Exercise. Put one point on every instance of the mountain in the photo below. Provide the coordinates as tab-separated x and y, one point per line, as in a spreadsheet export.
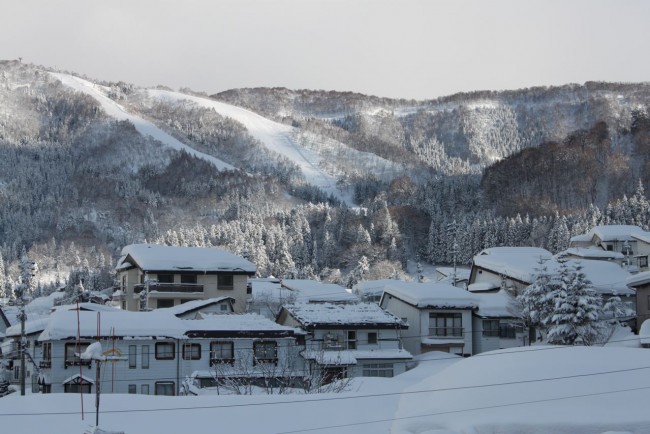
305	182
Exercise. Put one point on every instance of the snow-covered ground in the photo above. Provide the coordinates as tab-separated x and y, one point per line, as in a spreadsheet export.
144	127
529	390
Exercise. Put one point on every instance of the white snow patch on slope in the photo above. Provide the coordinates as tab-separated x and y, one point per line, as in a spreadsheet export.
275	136
144	127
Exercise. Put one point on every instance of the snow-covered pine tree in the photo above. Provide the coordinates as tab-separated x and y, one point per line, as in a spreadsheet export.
536	301
575	321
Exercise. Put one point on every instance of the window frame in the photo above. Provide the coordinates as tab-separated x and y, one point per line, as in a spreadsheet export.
444	325
133	356
165	278
192	354
220	360
374	339
189	279
158	384
229	285
160	356
351	339
133	389
263	347
376	369
491	328
70	349
144	357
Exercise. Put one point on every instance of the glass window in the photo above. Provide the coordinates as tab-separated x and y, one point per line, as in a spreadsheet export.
225	281
507	331
265	352
372	337
165	278
165	350
491	327
445	324
165	302
133	389
144	357
352	340
77	385
189	279
71	349
191	351
165	388
378	370
144	389
47	351
221	352
133	357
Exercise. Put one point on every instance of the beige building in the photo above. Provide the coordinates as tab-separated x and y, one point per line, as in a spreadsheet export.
153	276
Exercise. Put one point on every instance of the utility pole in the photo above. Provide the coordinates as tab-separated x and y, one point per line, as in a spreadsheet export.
451	232
23	345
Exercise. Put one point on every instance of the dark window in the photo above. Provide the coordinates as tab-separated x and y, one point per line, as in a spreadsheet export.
372	337
144	357
507	331
445	324
133	357
221	352
378	370
165	302
167	388
643	261
133	389
225	281
47	351
71	349
165	350
165	278
77	385
188	278
491	327
265	352
352	339
191	351
144	389
124	283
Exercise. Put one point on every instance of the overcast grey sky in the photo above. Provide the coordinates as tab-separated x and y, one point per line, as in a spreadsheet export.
396	48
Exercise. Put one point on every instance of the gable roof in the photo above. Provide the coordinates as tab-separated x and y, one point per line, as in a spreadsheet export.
356	315
426	295
612	233
518	263
155	257
312	291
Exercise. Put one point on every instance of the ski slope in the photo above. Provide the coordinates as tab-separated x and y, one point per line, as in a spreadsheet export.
275	136
143	126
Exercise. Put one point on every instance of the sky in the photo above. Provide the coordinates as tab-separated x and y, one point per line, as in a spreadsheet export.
416	49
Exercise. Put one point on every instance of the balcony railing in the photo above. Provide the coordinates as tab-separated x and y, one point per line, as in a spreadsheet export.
170	287
77	362
446	332
45	364
219	362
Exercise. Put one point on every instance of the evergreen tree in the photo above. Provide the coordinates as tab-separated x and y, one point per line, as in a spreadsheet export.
536	302
575	320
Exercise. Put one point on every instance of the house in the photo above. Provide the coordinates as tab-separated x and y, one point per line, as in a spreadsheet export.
631	241
348	339
10	349
447	274
266	296
311	291
439	316
370	290
515	268
153	276
641	284
495	323
158	350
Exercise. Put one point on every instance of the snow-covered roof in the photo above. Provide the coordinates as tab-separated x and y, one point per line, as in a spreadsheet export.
516	262
351	357
612	233
431	295
94	307
606	277
638	279
155	257
593	252
461	273
370	287
31	327
497	305
347	314
159	323
483	286
313	291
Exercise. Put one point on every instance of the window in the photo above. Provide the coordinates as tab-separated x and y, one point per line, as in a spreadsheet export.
491	327
189	279
372	337
445	324
649	302
133	357
265	352
224	308
507	331
221	352
144	389
352	339
225	281
47	355
191	351
167	388
77	385
75	348
124	283
133	389
144	357
165	278
378	370
643	261
165	302
165	350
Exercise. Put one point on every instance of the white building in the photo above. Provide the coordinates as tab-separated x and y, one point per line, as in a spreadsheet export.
349	339
632	242
153	276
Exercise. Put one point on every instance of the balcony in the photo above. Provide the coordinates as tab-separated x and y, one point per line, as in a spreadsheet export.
77	362
45	364
170	287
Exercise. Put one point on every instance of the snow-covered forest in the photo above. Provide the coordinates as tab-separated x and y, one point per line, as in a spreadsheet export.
77	184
